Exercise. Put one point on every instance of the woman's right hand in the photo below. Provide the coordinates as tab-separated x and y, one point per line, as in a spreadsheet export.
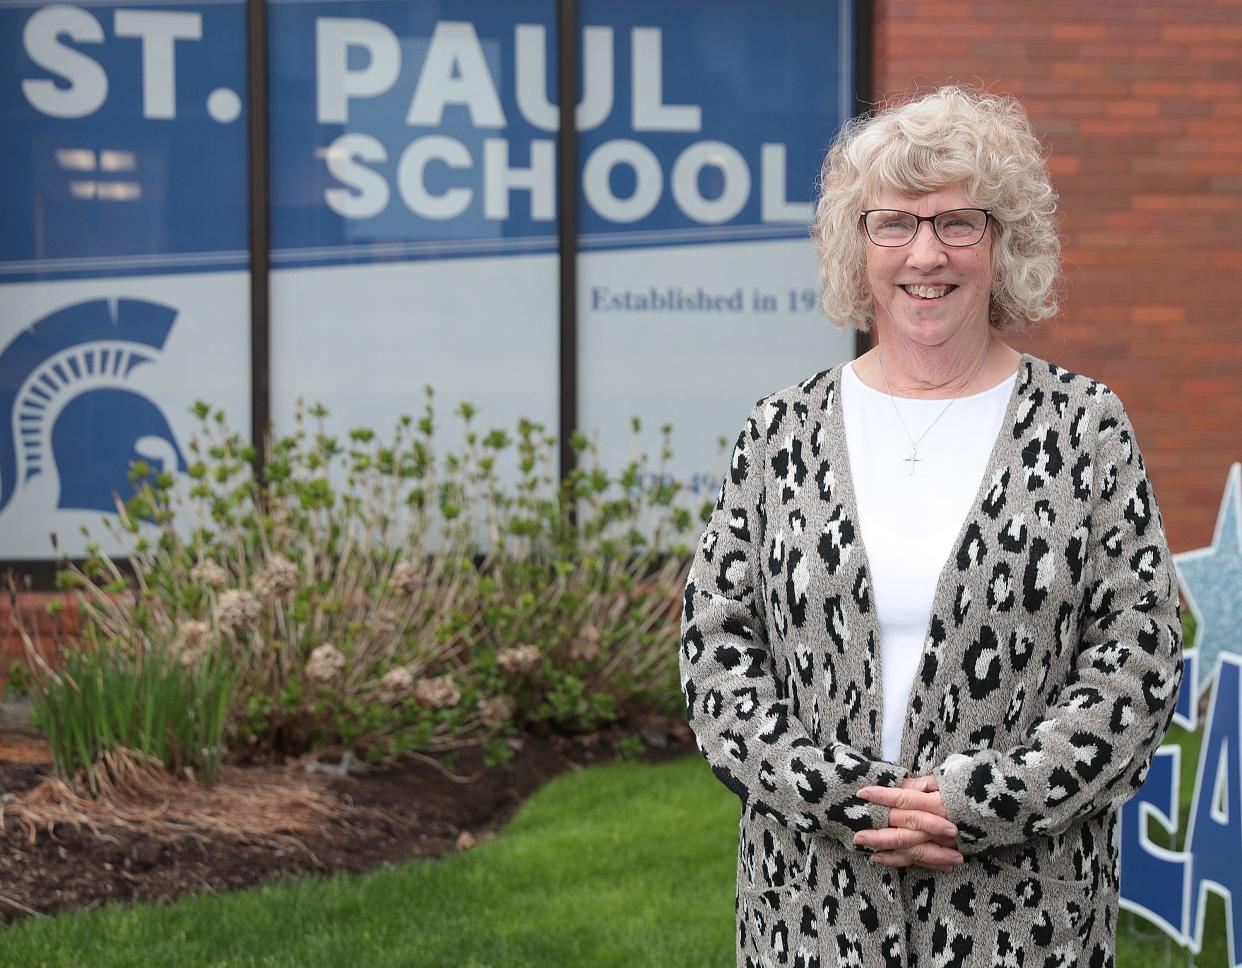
920	835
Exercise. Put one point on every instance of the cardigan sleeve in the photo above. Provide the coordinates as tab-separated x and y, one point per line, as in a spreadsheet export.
1093	746
743	725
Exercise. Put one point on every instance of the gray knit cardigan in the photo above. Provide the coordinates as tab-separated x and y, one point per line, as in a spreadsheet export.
1049	675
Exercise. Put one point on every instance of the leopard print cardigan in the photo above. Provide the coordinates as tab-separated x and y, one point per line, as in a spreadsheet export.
1049	675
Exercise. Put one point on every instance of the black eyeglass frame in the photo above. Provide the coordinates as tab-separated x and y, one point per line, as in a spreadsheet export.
919	220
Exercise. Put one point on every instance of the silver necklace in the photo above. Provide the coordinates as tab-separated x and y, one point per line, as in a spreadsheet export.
913	459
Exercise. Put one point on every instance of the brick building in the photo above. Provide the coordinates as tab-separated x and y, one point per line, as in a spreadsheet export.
1140	104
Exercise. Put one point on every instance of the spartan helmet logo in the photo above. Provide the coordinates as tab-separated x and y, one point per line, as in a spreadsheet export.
67	410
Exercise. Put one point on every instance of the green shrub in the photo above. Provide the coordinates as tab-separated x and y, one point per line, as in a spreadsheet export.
579	594
17	683
366	595
346	628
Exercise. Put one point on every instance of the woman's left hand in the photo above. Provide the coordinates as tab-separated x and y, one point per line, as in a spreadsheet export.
919	832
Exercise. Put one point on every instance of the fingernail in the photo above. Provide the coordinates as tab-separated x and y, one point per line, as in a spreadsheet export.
958	858
950	830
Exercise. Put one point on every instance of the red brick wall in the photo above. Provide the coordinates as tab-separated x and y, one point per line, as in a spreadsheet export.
42	627
1140	104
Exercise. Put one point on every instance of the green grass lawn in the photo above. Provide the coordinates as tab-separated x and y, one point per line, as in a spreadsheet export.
622	865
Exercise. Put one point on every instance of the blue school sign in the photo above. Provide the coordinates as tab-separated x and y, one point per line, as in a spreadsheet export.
1170	887
399	132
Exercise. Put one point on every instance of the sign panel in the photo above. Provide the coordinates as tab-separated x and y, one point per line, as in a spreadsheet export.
698	289
123	282
1168	887
413	211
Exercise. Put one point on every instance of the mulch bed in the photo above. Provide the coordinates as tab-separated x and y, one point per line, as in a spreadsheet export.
388	816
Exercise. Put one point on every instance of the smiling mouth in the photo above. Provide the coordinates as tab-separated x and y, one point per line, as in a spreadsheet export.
927	293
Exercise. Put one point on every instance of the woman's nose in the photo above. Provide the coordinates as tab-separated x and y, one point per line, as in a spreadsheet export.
926	249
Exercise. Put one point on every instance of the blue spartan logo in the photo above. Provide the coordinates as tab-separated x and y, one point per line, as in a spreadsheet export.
64	401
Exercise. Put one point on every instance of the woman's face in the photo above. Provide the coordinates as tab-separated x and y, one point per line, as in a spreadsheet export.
966	271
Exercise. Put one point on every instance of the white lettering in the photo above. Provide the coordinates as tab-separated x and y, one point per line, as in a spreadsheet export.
455	50
649	180
335	82
159	31
88	84
647	78
686	182
499	179
413	187
370	191
532	78
773	204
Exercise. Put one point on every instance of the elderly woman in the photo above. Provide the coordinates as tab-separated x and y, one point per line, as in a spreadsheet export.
930	732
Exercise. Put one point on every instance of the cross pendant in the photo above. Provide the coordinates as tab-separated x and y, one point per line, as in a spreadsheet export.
912	459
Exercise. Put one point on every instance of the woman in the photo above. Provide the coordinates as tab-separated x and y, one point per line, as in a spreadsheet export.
930	734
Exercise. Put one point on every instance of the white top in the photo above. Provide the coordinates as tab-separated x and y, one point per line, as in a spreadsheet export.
908	522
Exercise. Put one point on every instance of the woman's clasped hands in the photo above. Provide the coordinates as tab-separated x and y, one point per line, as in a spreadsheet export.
919	830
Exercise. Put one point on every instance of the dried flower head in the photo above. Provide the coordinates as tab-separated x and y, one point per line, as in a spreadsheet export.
437	693
237	611
386	621
326	663
405	578
520	661
278	579
497	710
192	639
207	572
586	646
396	685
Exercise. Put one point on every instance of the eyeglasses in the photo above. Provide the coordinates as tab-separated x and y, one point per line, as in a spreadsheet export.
959	227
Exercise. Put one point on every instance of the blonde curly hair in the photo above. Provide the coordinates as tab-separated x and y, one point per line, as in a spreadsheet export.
951	136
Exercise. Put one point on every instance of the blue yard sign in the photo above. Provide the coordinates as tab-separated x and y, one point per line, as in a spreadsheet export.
1170	887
